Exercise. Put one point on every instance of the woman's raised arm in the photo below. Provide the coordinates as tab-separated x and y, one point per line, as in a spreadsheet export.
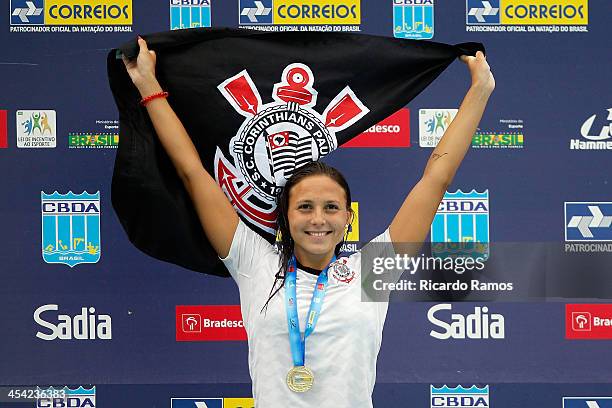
412	221
216	214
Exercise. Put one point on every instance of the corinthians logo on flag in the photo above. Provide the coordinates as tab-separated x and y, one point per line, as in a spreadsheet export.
277	138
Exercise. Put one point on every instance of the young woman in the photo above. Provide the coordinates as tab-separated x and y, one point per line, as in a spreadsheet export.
283	292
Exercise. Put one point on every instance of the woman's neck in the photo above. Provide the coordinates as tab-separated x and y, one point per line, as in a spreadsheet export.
318	262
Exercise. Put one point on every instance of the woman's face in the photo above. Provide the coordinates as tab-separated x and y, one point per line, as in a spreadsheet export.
317	218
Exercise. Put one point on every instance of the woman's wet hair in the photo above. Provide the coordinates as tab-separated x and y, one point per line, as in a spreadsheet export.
285	243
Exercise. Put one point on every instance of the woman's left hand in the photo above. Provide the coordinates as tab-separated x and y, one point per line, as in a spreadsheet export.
480	71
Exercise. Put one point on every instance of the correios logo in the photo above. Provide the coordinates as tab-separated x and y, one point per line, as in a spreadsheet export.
84	326
478	325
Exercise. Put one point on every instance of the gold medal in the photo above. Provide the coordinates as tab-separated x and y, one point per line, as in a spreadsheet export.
300	379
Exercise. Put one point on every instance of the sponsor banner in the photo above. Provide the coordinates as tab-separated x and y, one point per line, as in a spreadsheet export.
71	16
306	15
86	325
549	16
393	131
481	324
497	140
3	130
413	19
92	140
461	225
588	321
70	228
588	221
209	323
66	397
587	402
508	134
596	133
36	128
432	125
459	397
212	403
189	14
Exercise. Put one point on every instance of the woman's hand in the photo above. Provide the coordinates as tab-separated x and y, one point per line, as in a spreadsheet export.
482	78
142	70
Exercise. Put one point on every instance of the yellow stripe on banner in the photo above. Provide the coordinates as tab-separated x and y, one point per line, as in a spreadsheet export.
238	403
540	12
317	12
353	236
88	12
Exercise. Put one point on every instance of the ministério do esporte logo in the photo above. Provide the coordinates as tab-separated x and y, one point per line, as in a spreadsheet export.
93	16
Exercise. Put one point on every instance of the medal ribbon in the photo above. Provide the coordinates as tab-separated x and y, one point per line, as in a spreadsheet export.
298	345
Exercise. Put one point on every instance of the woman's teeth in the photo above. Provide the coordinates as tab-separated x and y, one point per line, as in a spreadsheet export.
317	234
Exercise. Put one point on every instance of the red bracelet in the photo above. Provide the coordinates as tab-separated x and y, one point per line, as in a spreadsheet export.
161	94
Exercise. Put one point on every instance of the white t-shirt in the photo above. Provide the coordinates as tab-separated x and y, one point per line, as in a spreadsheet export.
341	351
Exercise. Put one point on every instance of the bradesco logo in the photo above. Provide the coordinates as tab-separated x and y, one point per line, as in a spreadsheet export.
527	12
302	13
71	12
393	131
588	321
209	323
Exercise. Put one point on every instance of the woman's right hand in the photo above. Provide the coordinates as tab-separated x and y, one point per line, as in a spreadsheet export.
142	69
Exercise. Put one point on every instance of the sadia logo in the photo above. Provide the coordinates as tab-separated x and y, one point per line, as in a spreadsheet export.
459	397
432	125
72	12
477	325
277	138
527	12
84	326
588	221
66	397
209	323
587	402
594	140
461	225
189	14
306	12
413	19
70	228
36	128
588	321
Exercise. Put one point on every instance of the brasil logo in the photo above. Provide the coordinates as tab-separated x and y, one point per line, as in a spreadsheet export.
70	228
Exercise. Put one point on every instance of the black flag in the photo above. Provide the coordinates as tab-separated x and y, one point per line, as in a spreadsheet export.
256	106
